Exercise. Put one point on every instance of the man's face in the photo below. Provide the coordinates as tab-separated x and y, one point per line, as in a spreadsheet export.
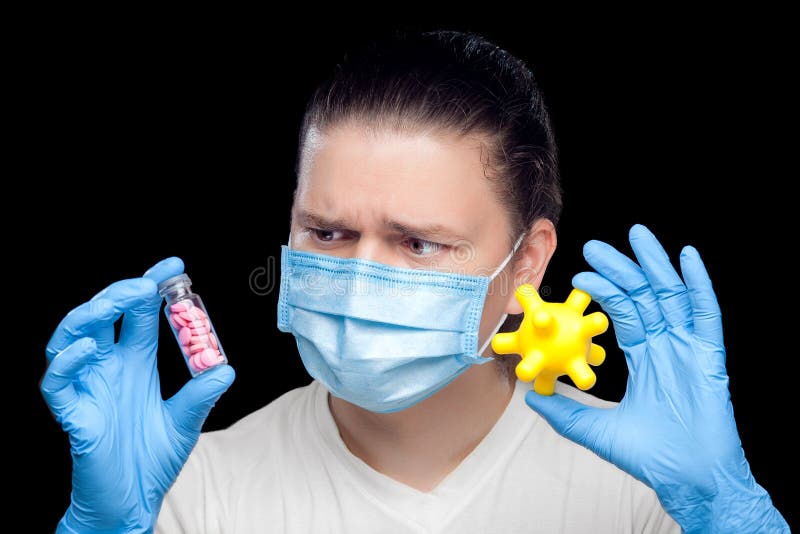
408	200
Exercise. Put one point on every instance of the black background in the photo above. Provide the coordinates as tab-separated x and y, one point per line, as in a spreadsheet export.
141	138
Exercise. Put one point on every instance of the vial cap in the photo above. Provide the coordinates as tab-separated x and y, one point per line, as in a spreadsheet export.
179	280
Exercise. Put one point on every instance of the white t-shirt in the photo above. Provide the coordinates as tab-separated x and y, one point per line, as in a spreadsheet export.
284	468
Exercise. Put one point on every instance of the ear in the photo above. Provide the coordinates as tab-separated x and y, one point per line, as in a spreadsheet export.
532	258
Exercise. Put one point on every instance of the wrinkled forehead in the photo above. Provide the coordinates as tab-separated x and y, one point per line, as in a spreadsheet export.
369	176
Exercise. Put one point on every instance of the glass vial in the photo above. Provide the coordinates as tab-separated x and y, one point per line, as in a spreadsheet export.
191	325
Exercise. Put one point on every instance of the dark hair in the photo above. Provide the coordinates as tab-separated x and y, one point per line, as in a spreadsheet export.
459	83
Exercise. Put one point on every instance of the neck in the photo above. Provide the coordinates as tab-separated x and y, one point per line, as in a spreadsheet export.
421	445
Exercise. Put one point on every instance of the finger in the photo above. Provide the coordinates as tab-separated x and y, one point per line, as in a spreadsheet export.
571	419
140	325
620	307
190	406
57	385
79	322
97	316
166	268
623	272
673	298
139	330
705	308
125	295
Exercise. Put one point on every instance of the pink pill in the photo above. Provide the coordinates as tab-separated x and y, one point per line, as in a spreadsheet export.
201	363
178	307
198	323
197	347
199	339
174	323
208	357
185	349
199	331
178	319
196	362
186	316
200	314
212	339
184	335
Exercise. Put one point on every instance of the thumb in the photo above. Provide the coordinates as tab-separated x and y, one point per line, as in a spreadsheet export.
571	419
190	406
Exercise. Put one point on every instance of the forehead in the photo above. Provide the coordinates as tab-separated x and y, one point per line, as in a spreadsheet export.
371	175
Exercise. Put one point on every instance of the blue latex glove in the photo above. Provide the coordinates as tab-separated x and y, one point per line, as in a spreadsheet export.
674	429
128	445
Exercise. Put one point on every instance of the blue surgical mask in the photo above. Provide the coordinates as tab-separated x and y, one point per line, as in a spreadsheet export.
382	337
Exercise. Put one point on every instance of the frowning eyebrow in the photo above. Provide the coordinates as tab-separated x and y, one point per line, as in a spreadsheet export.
431	232
314	220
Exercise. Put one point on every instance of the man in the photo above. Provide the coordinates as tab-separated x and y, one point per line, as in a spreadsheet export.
427	190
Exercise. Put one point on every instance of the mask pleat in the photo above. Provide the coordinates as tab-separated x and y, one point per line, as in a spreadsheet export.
356	339
407	306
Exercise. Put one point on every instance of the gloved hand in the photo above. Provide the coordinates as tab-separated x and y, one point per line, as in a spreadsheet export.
128	445
674	429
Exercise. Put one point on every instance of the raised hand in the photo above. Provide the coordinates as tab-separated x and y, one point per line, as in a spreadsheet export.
674	429
128	444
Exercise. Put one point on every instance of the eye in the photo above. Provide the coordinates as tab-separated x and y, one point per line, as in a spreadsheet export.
326	236
420	247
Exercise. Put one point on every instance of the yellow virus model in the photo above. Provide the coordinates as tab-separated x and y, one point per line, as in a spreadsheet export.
554	339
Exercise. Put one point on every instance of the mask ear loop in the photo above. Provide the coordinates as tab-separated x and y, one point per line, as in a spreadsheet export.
505	315
489	339
508	258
